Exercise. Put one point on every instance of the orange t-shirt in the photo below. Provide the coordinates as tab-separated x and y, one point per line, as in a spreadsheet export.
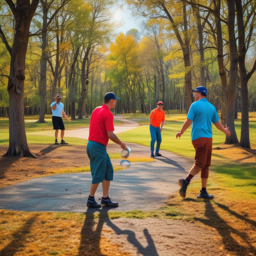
157	117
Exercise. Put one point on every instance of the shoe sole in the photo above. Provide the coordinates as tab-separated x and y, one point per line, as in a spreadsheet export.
181	191
96	206
108	205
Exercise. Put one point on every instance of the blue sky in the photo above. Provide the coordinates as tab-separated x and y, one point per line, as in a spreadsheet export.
124	16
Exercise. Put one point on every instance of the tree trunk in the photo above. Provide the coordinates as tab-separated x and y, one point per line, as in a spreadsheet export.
222	69
233	74
43	65
23	12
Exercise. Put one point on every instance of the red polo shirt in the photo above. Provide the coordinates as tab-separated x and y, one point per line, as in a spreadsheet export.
102	121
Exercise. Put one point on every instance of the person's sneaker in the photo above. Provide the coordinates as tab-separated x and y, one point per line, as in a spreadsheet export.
108	202
183	188
204	194
63	142
93	204
152	155
56	143
158	154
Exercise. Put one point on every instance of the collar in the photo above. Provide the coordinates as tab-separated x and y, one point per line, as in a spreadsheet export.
106	107
203	99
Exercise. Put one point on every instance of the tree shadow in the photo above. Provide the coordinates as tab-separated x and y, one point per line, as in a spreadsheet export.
19	238
5	163
89	233
225	230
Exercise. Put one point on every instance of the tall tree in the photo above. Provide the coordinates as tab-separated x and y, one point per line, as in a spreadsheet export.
23	12
245	15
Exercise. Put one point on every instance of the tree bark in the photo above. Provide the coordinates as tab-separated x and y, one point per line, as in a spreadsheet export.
233	74
23	12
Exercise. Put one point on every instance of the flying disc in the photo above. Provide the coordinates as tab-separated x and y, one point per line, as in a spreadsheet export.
125	163
125	153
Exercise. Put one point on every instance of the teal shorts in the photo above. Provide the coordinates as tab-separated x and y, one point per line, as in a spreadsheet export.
101	166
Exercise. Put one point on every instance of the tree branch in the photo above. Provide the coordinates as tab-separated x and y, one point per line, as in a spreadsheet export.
2	36
12	7
248	76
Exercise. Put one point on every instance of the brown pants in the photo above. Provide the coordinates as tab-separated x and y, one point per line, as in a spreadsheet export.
203	147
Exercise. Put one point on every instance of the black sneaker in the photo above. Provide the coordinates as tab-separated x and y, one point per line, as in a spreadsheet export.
63	142
152	155
56	143
108	202
204	194
93	204
158	154
183	188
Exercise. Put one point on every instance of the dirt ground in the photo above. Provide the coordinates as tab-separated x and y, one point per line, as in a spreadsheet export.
217	229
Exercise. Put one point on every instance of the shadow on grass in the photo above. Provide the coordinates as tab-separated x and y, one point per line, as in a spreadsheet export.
19	238
227	232
90	236
245	171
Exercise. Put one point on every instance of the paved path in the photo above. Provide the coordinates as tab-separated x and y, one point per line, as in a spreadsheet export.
144	186
84	132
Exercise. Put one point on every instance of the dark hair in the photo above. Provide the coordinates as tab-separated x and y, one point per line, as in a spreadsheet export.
203	94
107	101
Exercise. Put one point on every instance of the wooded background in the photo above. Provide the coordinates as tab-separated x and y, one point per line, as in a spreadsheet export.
72	49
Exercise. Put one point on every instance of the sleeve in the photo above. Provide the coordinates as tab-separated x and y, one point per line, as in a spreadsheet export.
152	115
191	112
52	104
215	117
109	123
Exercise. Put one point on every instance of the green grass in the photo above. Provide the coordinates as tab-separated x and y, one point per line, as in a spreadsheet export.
240	178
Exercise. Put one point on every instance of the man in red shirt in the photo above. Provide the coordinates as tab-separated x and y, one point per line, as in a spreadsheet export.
101	130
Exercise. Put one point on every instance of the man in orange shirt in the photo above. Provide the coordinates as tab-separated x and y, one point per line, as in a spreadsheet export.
156	118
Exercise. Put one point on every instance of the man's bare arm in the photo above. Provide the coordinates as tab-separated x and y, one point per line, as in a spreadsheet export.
115	139
63	113
54	106
185	126
150	121
162	125
222	128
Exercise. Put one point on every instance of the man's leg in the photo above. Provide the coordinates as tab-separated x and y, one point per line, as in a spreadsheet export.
62	134
185	182
153	139
56	134
159	140
93	189
105	188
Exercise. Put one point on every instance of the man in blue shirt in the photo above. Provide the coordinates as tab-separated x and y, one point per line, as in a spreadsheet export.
57	112
201	114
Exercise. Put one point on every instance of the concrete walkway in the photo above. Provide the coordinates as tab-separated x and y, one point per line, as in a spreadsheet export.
84	132
144	186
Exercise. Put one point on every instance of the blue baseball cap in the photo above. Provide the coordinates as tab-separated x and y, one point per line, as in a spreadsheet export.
201	89
110	96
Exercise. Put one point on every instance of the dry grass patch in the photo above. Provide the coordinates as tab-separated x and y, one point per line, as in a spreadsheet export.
24	233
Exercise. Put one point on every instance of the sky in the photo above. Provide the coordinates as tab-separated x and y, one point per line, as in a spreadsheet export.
124	17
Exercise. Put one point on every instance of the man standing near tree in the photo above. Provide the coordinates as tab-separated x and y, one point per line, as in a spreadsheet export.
202	114
57	112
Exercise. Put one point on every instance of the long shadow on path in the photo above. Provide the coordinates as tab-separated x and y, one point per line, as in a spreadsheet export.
226	231
89	233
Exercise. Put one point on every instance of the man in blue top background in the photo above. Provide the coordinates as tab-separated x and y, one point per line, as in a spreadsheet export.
201	114
57	112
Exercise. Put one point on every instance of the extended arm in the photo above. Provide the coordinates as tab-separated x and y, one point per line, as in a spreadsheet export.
63	113
222	128
54	106
185	126
115	139
162	125
150	121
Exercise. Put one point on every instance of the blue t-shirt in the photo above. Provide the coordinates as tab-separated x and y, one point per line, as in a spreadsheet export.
203	114
58	110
